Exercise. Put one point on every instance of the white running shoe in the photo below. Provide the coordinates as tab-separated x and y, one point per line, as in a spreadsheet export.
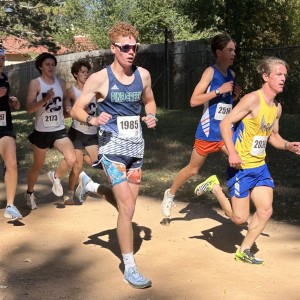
81	192
167	204
30	200
57	188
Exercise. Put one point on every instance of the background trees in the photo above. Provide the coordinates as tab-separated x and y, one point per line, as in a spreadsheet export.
31	19
252	23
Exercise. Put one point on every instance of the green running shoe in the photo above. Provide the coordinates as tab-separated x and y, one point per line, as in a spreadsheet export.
248	257
206	186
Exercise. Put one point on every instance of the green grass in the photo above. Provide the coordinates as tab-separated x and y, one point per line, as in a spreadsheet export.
168	149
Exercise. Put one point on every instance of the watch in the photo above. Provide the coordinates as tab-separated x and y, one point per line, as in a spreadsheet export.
218	93
88	119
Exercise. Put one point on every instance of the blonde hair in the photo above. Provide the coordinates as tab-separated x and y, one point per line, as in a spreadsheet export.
122	29
266	65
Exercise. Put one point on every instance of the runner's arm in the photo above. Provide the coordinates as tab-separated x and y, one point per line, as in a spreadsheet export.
241	110
91	88
277	141
148	99
200	94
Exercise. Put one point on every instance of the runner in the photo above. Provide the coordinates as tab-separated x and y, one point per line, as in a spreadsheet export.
84	137
7	142
216	91
45	97
248	175
121	89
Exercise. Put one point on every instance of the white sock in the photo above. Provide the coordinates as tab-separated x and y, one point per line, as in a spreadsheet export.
128	260
92	187
170	195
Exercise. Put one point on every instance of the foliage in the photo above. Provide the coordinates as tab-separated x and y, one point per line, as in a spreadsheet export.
32	20
253	23
151	17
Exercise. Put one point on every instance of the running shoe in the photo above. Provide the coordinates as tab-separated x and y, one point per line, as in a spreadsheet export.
81	192
206	186
11	212
167	203
248	257
57	189
136	279
69	199
30	201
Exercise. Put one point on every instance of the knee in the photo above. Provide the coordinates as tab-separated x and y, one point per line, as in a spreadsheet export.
11	164
70	160
265	213
191	171
127	211
77	168
240	220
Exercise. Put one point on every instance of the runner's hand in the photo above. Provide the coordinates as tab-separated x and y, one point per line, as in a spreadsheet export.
102	119
150	120
234	160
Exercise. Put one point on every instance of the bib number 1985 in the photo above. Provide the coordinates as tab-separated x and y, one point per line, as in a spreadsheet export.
129	126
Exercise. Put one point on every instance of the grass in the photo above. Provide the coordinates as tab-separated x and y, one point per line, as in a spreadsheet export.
168	149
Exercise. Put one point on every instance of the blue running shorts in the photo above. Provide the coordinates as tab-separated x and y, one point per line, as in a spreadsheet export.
241	181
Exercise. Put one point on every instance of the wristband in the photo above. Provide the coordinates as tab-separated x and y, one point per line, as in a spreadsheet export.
286	145
88	119
153	116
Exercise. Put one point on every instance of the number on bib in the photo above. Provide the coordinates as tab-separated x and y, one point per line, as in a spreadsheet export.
129	126
2	118
259	145
222	110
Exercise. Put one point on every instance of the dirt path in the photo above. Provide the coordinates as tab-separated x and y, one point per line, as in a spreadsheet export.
60	252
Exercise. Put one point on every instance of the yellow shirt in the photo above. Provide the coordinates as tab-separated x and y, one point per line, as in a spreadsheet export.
251	135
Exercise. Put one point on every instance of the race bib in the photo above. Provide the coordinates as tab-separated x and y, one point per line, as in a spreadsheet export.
259	145
129	126
2	118
51	119
222	110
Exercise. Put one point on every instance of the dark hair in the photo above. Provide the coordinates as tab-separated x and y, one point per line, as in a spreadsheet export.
43	56
76	66
220	41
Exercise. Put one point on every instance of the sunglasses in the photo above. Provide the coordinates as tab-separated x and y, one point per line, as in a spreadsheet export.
127	47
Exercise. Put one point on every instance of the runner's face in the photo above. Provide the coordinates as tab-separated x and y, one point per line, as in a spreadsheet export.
83	74
125	58
277	78
227	54
48	67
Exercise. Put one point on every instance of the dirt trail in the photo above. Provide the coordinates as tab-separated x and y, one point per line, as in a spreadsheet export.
60	252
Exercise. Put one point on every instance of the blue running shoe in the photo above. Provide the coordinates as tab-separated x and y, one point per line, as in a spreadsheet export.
11	212
81	192
136	279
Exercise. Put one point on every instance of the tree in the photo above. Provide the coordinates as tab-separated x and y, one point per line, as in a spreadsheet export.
253	23
32	20
151	17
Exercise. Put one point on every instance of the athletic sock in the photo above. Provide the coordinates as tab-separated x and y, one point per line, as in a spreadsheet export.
29	193
92	187
128	260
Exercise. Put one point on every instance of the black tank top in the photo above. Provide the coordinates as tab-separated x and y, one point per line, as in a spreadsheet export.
5	114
